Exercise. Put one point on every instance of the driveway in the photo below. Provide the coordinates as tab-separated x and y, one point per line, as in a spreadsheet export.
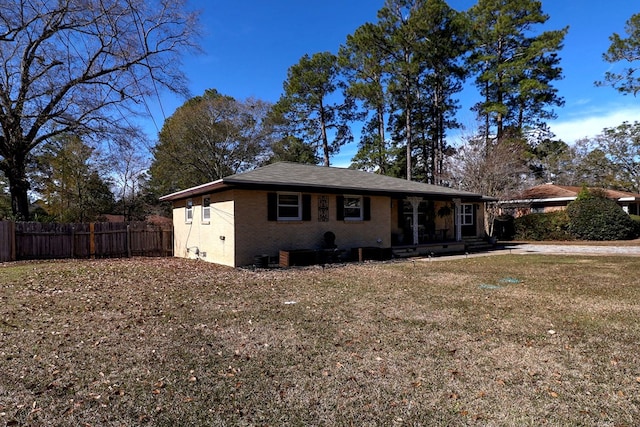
551	249
572	249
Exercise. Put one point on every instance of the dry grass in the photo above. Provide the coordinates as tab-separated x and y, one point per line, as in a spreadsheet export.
505	340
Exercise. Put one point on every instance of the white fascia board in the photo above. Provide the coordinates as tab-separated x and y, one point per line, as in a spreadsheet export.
190	191
552	199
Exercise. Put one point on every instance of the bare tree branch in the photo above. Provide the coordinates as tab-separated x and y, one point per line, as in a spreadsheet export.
74	66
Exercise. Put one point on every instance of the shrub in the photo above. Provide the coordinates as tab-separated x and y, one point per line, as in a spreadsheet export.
636	223
503	227
543	226
594	217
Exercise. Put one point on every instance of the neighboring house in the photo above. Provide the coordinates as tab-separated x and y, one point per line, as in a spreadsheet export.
291	206
550	197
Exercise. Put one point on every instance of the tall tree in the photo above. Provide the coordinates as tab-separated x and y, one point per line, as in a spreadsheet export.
622	145
128	170
77	66
363	61
312	107
69	181
209	137
590	165
515	68
627	50
292	149
5	198
551	162
497	173
441	56
402	45
424	41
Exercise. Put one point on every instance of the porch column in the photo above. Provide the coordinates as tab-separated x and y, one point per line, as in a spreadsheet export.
415	203
456	219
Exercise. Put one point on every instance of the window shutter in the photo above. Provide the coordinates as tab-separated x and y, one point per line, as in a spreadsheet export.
366	206
340	208
272	206
306	207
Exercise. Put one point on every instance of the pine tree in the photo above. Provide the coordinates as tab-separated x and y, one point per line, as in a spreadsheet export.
628	50
308	108
514	68
363	62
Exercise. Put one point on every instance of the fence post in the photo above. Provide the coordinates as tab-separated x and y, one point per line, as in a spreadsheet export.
129	240
73	242
92	240
12	243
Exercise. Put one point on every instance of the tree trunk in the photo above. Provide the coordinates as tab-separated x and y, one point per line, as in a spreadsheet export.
407	117
382	163
325	145
15	170
408	132
325	139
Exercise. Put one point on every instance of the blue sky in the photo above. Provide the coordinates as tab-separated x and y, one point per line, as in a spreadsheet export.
248	45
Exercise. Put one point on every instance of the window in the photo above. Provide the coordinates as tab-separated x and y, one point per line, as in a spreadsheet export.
206	209
188	212
289	206
352	207
466	214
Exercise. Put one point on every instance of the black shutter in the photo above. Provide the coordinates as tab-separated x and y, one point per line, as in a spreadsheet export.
366	205
272	206
340	208
306	207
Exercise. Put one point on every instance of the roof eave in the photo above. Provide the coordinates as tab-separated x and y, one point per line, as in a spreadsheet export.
288	186
194	191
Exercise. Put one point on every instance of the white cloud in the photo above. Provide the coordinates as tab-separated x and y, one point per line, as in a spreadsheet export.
591	123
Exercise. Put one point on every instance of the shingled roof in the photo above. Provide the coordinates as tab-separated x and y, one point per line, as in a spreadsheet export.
286	176
552	191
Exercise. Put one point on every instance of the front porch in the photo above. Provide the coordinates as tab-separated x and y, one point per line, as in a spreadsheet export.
434	223
427	249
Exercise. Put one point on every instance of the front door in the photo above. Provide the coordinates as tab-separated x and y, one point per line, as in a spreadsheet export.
467	219
426	222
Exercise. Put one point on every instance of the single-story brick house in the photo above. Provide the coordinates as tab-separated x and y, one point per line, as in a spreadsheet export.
550	197
290	206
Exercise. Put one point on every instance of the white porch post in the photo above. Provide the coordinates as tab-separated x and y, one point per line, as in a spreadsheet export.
415	203
457	218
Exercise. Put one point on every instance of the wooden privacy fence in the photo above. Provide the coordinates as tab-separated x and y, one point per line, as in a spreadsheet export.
35	240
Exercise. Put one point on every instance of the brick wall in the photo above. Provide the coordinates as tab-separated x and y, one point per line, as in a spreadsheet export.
255	235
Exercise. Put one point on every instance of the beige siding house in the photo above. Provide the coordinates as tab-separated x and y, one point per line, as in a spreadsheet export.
291	207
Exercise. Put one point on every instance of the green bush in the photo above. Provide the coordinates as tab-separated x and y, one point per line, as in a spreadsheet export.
594	217
543	226
636	223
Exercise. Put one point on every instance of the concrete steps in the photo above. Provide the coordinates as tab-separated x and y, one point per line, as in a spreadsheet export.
476	244
429	249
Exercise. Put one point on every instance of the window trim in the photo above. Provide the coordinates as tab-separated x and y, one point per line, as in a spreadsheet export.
298	205
206	210
464	216
360	207
188	212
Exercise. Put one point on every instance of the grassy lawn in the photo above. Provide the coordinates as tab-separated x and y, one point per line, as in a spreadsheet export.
502	340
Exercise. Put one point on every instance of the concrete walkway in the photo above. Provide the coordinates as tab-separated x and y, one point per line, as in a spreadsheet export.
572	249
550	249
